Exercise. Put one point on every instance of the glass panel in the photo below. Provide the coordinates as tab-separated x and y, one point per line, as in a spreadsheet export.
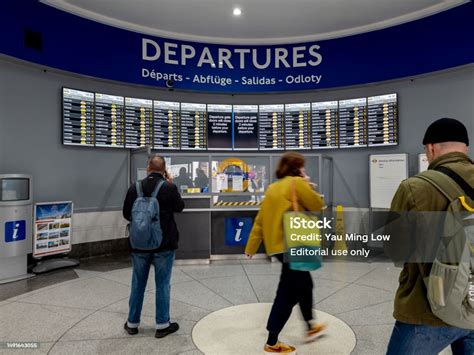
190	174
15	189
241	181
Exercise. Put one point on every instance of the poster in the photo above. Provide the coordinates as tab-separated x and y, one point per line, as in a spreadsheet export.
52	229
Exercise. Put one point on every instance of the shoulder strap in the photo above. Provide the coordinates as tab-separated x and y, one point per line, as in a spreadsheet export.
459	180
157	188
440	181
138	186
294	198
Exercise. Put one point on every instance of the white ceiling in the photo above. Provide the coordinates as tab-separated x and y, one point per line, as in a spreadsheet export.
261	22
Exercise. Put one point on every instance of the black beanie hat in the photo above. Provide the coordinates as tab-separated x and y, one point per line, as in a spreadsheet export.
446	130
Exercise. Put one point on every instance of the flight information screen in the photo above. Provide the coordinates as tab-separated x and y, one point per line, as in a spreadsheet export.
138	122
219	127
78	117
193	126
271	127
110	126
382	120
246	127
298	126
353	123
324	127
166	125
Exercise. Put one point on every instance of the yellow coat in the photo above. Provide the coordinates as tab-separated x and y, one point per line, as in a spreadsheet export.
268	225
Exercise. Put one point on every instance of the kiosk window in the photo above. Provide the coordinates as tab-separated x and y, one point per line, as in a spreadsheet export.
15	189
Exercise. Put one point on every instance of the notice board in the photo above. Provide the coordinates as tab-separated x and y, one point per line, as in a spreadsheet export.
387	171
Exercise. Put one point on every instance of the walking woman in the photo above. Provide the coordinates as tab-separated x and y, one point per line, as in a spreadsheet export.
295	286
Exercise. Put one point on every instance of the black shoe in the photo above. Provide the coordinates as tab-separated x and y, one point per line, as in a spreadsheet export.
172	328
130	331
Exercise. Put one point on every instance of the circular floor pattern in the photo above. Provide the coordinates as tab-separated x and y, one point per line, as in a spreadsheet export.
241	330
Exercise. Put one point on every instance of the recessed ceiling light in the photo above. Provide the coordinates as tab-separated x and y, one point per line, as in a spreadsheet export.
237	11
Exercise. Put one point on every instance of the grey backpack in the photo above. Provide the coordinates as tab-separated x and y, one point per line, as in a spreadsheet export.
450	284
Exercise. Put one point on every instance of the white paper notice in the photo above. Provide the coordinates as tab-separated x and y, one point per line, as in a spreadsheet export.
237	183
222	183
386	173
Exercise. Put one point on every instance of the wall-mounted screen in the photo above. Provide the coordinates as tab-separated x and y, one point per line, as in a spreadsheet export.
246	127
52	229
110	126
103	120
138	122
78	117
382	120
324	125
298	126
353	123
219	127
271	127
193	126
166	125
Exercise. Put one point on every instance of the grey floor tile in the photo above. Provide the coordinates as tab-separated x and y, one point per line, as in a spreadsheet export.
173	344
379	314
267	268
43	348
372	338
107	325
18	288
92	293
200	272
85	274
196	294
178	310
265	286
342	271
235	289
385	277
124	277
353	297
179	276
323	288
31	322
191	352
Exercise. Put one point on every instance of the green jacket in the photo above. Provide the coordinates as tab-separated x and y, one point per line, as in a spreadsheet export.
414	194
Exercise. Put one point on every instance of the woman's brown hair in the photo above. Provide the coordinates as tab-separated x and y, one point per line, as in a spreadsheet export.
290	165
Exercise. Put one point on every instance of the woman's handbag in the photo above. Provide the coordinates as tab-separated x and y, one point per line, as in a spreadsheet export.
310	246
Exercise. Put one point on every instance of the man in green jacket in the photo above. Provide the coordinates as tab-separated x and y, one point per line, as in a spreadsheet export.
417	330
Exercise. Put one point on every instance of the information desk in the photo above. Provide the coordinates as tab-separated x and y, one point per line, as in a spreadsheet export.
222	194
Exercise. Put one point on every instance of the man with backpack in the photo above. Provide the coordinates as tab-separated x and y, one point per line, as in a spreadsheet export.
433	307
153	236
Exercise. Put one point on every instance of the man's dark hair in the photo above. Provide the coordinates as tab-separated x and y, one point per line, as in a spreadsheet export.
157	163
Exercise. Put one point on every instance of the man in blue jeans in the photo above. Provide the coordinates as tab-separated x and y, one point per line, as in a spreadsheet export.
170	201
417	330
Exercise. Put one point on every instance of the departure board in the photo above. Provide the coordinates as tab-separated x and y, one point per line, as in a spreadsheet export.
138	122
271	127
324	127
193	126
78	117
353	123
298	126
219	127
382	120
109	126
166	125
245	127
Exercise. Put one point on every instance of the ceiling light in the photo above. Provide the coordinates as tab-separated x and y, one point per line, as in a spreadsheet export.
237	11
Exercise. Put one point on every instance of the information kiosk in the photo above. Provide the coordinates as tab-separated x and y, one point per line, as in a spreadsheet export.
16	206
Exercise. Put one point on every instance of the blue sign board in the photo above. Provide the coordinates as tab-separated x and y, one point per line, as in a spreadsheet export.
72	43
237	230
15	231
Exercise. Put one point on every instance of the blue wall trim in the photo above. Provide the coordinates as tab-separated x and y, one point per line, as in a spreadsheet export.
78	45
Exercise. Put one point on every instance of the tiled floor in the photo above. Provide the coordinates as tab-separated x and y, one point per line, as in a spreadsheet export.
85	312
